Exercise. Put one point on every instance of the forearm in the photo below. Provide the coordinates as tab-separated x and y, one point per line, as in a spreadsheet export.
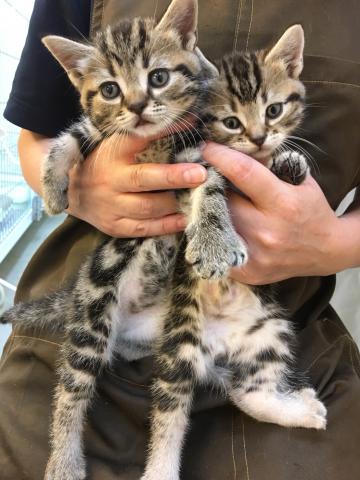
32	149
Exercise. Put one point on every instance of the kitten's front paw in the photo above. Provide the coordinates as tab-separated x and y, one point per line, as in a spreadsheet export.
55	198
291	167
59	469
212	256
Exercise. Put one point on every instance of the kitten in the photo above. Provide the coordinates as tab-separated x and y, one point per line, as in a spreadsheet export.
140	296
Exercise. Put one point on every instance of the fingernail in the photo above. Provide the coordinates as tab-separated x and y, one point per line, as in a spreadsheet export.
181	223
195	175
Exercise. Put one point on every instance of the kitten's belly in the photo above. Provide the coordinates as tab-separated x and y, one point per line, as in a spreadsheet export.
142	327
228	318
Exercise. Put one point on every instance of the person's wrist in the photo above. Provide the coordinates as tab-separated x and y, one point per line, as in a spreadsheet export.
343	250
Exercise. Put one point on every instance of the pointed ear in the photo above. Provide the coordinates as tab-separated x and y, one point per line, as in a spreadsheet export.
71	55
209	68
290	49
182	15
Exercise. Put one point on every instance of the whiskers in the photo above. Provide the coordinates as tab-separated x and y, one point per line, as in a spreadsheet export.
288	142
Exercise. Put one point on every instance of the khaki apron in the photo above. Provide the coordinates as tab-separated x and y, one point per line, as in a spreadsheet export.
223	443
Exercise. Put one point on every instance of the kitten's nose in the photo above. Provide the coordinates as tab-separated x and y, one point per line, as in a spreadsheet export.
138	107
258	140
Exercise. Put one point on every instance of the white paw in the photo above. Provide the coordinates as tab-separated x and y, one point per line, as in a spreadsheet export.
315	411
55	189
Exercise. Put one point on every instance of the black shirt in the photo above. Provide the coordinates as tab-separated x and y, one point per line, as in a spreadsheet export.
42	98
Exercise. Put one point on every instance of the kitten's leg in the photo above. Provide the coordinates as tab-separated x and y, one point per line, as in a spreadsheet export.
295	408
84	357
69	148
266	385
90	340
180	363
169	421
291	167
213	244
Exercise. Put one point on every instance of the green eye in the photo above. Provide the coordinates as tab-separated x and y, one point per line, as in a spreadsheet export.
110	90
159	78
233	123
274	111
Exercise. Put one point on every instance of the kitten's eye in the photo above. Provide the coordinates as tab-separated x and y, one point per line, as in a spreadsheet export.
159	78
110	90
233	123
274	111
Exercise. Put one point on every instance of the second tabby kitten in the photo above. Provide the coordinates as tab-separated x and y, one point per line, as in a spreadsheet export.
134	296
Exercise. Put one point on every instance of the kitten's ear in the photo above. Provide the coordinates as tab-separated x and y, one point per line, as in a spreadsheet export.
209	68
290	49
182	15
71	55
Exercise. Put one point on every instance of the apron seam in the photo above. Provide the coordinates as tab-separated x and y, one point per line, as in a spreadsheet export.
250	25
37	338
7	350
332	82
232	445
317	358
244	446
237	26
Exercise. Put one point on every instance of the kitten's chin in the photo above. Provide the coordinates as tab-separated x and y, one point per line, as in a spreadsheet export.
147	130
263	156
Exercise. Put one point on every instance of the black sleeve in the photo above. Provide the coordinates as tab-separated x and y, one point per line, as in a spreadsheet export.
42	98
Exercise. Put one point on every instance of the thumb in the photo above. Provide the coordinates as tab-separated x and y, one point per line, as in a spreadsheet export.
251	177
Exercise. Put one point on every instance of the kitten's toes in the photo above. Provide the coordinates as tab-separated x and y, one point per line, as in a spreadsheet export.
213	259
315	416
55	200
291	167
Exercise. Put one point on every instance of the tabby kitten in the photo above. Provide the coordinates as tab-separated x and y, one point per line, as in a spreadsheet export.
139	78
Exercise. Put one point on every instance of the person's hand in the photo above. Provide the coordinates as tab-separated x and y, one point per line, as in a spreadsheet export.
290	230
115	195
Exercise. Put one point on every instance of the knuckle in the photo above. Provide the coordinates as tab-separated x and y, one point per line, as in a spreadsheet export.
146	208
269	239
141	229
264	262
109	229
137	176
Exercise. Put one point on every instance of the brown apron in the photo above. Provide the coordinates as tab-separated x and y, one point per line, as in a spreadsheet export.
223	443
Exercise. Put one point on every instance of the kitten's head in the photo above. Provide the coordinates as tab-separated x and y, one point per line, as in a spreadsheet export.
139	76
259	99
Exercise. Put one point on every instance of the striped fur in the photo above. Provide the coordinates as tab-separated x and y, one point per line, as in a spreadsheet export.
170	295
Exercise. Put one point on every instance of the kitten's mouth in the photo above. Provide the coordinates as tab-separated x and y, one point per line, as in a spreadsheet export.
142	122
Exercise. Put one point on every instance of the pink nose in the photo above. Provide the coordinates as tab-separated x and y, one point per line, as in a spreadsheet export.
258	140
138	107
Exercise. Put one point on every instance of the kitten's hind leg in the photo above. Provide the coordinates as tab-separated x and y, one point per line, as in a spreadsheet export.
180	364
292	408
291	167
83	360
169	421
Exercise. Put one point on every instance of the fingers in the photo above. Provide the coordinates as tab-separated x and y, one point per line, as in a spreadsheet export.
128	227
149	177
143	206
251	177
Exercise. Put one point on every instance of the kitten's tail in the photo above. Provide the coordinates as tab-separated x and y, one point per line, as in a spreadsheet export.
48	313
